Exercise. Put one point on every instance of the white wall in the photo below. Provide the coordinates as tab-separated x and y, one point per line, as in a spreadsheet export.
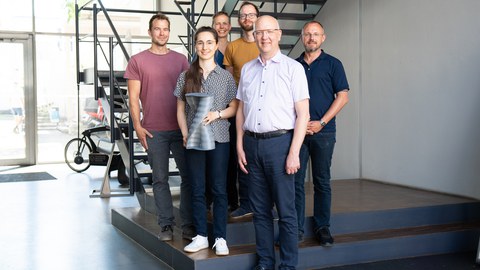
341	27
414	72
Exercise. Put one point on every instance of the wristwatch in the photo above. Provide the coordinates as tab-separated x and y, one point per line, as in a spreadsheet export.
322	123
219	114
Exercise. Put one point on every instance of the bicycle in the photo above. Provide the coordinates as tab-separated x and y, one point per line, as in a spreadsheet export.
81	153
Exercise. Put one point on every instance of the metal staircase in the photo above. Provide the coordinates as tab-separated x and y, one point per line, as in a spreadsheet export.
111	89
291	15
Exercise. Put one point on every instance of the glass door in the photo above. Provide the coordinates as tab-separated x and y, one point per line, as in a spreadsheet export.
17	135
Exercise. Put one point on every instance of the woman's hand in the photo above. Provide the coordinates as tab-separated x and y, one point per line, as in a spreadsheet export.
210	117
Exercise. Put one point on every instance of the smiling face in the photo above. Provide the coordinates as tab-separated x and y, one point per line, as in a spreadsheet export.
267	35
247	17
159	32
221	24
313	36
205	45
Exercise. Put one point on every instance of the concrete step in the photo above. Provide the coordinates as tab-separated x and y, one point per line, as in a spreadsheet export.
410	223
352	248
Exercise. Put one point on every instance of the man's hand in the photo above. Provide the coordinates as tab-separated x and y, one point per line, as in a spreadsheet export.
242	160
313	127
142	136
292	164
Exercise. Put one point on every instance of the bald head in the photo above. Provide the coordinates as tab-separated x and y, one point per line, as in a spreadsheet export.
267	36
267	20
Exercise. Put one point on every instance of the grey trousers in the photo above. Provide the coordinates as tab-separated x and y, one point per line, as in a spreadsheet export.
159	148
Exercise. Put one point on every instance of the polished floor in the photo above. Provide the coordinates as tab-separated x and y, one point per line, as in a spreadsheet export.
54	224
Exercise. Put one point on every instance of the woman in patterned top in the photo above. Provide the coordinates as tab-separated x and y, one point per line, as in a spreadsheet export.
205	76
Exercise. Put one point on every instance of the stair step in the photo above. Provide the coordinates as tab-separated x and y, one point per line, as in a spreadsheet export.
285	32
371	221
88	75
348	248
310	2
284	15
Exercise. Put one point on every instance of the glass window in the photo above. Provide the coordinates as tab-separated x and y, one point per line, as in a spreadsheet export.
16	15
12	103
58	16
56	95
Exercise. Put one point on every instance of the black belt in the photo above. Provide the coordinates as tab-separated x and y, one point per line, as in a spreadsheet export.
267	135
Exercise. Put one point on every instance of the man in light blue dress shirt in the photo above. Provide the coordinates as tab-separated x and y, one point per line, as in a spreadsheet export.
271	125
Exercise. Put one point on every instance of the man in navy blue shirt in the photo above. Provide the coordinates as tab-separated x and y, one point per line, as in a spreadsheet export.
328	89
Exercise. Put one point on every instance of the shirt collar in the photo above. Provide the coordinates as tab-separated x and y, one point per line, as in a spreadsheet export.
301	58
216	69
277	58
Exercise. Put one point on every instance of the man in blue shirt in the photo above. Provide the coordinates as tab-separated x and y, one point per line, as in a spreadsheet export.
328	89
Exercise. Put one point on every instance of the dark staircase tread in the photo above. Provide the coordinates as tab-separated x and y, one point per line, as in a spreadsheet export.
285	32
284	15
405	232
147	221
311	2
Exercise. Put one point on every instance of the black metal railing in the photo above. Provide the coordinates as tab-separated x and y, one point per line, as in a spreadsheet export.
187	10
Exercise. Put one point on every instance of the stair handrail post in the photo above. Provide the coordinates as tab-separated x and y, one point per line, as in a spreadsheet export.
190	40
275	11
77	65
131	171
95	53
112	91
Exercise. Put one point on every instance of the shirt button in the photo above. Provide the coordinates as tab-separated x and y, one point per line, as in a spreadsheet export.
261	95
258	124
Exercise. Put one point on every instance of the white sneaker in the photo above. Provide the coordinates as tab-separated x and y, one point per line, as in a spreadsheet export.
220	246
198	243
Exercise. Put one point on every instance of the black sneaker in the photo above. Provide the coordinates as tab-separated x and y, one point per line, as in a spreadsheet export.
324	237
188	232
166	234
300	237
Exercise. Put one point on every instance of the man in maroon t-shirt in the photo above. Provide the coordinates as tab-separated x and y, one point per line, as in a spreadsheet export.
152	75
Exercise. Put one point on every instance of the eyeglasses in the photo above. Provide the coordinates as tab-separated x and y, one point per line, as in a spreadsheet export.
249	15
315	35
262	33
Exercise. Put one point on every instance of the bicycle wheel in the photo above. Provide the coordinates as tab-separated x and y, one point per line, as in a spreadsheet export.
77	153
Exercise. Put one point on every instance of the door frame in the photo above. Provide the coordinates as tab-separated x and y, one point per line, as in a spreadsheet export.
29	98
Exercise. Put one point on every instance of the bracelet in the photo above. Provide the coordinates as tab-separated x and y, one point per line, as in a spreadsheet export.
219	114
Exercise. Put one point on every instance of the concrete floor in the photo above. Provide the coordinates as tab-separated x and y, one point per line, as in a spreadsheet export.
54	224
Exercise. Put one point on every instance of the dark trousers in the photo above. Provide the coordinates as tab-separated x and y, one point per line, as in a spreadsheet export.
232	173
319	147
269	184
213	164
160	146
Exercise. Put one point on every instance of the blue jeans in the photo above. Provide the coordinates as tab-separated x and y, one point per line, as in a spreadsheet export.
212	164
269	184
320	149
159	148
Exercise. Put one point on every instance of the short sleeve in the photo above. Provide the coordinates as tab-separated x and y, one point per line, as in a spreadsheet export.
178	92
